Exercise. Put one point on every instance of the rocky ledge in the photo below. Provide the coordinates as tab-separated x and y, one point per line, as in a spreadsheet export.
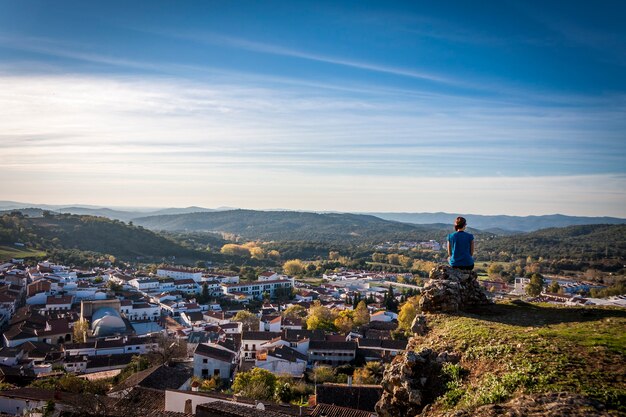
449	290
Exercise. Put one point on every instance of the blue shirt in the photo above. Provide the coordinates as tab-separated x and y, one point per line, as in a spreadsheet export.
460	248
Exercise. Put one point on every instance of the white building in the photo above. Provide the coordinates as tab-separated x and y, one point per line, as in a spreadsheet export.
212	360
180	273
145	284
256	289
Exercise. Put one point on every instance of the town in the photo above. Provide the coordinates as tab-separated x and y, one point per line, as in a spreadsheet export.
192	337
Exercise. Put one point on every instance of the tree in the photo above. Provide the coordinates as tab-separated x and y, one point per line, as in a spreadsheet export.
258	384
495	270
535	286
273	254
333	255
257	253
323	374
320	318
295	312
344	322
293	267
361	314
235	250
249	321
390	300
393	259
80	331
554	287
363	376
378	257
407	315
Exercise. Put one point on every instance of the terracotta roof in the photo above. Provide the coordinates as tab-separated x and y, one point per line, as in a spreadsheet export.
253	335
325	345
360	397
328	410
58	299
214	353
157	377
228	409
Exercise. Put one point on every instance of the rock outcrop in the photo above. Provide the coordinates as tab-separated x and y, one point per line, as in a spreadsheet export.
450	290
411	382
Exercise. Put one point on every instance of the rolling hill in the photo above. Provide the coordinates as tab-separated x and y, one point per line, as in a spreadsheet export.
291	226
591	242
88	233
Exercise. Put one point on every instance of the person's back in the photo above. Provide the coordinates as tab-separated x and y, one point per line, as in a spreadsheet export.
461	246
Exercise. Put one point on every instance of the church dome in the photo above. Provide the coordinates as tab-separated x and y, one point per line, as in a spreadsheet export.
106	321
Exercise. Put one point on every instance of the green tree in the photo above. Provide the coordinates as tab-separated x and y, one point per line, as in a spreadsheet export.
535	286
258	384
295	312
554	287
249	321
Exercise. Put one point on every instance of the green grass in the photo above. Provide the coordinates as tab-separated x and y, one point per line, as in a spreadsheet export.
513	348
7	252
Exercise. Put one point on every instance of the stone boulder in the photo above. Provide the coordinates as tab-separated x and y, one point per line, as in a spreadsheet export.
409	382
449	290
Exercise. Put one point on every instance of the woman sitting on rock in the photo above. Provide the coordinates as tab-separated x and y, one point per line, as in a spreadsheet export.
461	246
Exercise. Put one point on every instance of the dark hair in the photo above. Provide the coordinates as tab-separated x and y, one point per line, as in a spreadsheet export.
459	223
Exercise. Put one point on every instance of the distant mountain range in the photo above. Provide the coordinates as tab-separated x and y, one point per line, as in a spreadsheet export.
496	224
500	224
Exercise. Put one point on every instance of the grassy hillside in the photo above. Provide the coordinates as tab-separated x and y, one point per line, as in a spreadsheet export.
10	251
88	233
288	225
517	348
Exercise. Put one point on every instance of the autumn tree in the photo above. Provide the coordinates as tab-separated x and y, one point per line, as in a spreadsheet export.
407	315
361	314
235	250
333	255
344	321
293	267
320	318
274	255
257	253
80	331
393	259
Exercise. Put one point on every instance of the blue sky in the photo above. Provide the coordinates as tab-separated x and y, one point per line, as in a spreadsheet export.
499	108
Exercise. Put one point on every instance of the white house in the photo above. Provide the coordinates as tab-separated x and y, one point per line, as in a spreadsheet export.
282	360
213	360
59	302
145	284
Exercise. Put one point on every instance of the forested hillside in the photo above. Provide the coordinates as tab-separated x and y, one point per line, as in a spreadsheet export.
595	243
88	233
292	226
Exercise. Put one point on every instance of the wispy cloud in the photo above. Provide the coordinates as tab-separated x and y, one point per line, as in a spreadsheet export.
275	49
